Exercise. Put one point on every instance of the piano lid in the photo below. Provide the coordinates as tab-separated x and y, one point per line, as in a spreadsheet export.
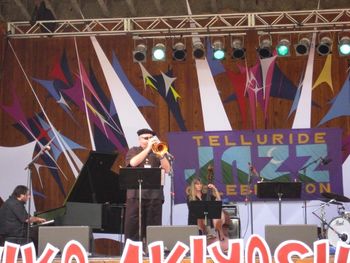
96	183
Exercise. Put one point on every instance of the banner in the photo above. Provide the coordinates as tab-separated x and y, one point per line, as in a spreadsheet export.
240	159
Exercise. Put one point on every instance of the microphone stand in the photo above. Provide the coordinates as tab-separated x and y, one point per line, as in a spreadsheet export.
249	199
304	169
307	165
172	193
29	186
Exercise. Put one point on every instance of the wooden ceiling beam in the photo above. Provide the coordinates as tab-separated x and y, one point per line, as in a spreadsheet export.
131	6
49	5
23	9
242	4
158	5
214	6
76	7
104	8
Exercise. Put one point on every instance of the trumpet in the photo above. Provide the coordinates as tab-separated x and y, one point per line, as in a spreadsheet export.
160	148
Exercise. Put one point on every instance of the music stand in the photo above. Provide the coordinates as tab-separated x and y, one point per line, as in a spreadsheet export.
206	209
140	178
278	190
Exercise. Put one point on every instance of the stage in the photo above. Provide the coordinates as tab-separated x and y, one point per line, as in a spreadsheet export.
186	260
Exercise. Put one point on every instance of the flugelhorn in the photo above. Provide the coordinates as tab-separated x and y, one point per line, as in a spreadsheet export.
160	148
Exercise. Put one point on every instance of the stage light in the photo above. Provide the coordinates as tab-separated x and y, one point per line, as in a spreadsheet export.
303	47
218	50
139	54
282	48
265	48
238	51
158	52
179	51
344	46
198	51
325	46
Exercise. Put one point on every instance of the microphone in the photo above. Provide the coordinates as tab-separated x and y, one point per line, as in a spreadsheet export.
343	237
325	161
45	148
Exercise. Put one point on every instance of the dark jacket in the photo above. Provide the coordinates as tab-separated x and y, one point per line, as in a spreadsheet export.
13	216
151	160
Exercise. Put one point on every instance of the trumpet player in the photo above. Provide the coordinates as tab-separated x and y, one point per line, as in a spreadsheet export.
152	199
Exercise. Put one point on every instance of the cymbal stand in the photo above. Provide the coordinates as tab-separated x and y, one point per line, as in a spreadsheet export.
324	222
322	219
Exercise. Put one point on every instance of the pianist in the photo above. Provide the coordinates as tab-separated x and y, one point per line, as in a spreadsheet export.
14	217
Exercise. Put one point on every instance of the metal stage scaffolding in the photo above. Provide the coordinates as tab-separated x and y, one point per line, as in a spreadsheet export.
188	25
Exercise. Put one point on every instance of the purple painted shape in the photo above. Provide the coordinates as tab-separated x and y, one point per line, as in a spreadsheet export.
138	99
15	110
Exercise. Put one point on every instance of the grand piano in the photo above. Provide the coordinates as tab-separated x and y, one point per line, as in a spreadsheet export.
95	199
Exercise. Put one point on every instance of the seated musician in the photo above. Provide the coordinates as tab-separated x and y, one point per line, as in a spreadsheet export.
196	194
14	217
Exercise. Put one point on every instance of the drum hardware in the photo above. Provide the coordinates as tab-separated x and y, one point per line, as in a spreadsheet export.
332	202
321	217
346	215
341	210
338	229
336	197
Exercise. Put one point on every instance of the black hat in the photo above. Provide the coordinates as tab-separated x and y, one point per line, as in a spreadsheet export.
145	131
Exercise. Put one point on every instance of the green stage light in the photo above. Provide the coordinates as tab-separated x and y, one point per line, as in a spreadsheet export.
344	46
283	48
218	50
158	52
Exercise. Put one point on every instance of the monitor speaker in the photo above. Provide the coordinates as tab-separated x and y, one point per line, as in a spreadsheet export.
276	234
59	236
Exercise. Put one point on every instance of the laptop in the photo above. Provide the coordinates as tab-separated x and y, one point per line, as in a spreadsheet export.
171	234
276	234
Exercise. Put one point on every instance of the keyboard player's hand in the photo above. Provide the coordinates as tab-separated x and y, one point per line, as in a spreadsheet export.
35	219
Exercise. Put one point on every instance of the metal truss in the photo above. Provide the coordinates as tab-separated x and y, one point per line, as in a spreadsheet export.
187	25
